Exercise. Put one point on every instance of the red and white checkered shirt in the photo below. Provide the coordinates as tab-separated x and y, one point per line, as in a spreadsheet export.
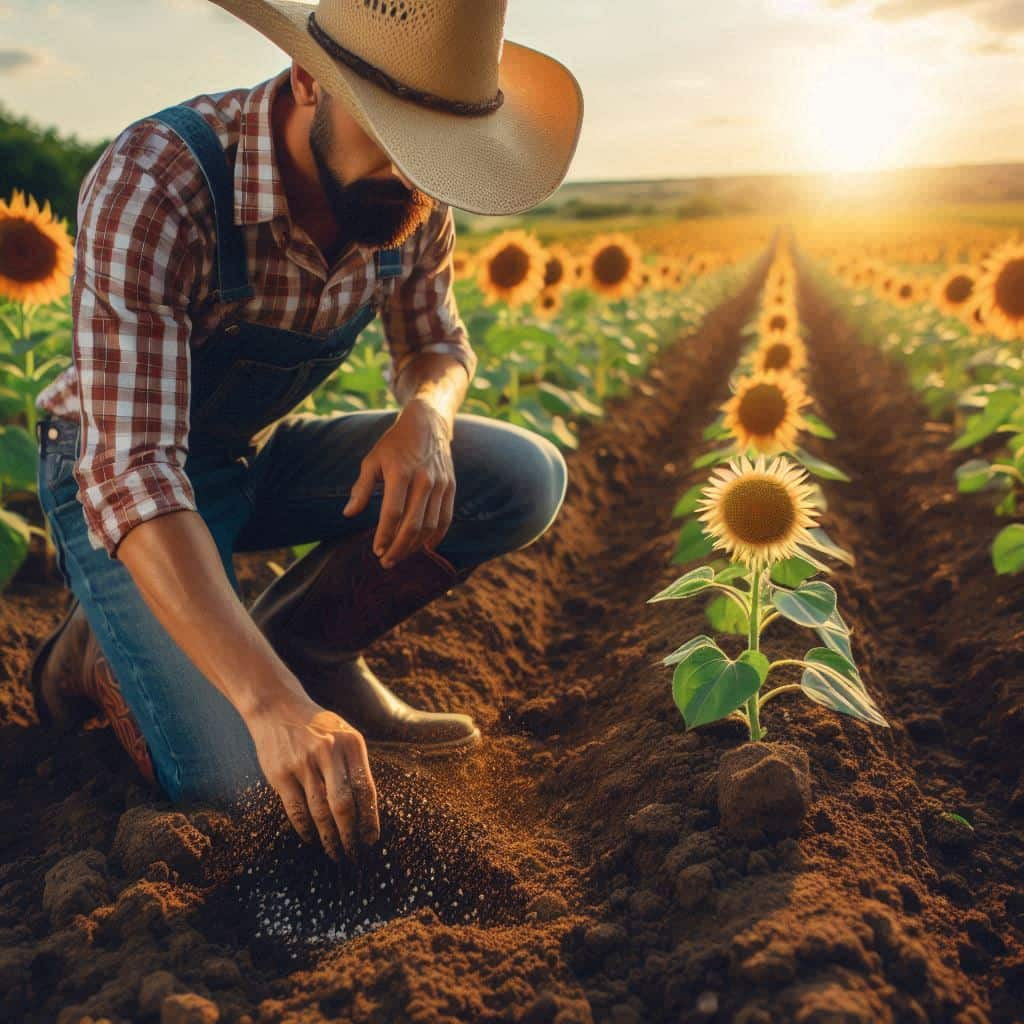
141	301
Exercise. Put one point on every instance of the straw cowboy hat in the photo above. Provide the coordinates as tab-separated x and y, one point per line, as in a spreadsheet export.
475	121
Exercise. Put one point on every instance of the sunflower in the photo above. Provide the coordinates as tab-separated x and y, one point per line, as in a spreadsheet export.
548	303
36	252
558	268
760	512
1001	292
613	266
955	289
780	351
903	291
764	413
778	320
510	268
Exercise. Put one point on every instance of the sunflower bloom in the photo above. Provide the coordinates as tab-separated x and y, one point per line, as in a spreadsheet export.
764	413
613	266
548	303
955	289
510	268
778	320
1001	292
759	513
558	268
782	352
36	252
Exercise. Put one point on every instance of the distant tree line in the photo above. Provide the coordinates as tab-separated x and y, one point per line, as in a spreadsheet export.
43	163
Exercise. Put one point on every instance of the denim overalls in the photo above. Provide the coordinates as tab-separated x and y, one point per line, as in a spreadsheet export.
264	479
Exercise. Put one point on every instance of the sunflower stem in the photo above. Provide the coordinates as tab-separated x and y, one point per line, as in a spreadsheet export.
753	718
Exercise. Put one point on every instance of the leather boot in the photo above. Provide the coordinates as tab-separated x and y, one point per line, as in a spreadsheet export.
333	603
71	678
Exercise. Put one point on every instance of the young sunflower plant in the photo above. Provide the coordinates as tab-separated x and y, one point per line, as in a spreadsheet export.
760	513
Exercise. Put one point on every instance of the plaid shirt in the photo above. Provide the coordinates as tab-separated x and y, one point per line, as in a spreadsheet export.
141	301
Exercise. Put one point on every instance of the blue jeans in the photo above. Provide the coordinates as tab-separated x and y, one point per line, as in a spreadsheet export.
510	484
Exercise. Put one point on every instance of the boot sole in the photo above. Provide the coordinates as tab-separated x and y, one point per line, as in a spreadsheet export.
42	652
445	748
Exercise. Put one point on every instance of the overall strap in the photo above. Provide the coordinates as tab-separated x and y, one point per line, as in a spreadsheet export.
389	262
200	137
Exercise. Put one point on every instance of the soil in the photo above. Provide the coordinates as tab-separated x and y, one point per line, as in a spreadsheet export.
590	862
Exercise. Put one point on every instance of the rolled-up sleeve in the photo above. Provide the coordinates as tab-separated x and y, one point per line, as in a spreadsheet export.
136	260
421	315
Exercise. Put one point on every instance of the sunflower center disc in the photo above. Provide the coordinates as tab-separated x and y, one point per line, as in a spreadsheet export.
553	272
777	357
959	289
26	254
1010	289
759	511
779	322
762	410
611	265
509	267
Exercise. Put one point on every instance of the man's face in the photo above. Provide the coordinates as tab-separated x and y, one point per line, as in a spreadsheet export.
375	212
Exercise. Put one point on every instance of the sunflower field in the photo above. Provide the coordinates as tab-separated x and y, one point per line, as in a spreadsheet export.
753	706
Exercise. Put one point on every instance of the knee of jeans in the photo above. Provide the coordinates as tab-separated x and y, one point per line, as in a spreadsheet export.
539	488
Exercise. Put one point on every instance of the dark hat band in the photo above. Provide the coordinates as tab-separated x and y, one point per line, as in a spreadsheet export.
406	92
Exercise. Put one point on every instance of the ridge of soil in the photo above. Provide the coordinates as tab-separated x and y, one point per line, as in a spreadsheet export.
588	822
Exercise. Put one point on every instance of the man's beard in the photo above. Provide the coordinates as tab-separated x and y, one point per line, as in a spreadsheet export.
372	212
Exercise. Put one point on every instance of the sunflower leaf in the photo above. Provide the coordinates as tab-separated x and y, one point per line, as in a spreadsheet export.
693	543
997	411
1008	549
682	653
818	427
714	457
687	504
687	585
726	616
811	604
819	467
708	686
833	681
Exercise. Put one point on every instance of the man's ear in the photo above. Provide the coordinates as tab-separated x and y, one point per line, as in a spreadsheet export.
305	88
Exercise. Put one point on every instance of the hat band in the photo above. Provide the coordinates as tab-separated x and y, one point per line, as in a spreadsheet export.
406	92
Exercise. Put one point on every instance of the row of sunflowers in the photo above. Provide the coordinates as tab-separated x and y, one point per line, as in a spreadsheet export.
557	333
760	510
959	335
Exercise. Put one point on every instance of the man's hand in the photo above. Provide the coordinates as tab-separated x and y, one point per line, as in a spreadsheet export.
317	763
414	458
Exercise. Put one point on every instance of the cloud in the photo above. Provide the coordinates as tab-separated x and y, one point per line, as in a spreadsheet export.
1004	16
995	48
13	61
724	121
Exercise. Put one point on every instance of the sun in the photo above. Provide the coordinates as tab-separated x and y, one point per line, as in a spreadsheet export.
859	115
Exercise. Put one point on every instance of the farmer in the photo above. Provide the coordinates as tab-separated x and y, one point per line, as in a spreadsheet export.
230	251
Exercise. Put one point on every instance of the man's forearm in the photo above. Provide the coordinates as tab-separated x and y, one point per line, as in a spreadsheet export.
439	380
174	561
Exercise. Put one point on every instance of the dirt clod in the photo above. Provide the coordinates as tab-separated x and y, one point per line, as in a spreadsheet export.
763	789
188	1008
75	885
146	835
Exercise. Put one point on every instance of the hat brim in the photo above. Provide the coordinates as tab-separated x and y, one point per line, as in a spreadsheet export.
504	162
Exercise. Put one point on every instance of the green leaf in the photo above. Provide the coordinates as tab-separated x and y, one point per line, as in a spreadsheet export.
687	585
973	476
692	544
687	504
997	410
731	573
14	541
19	458
758	662
811	604
708	686
1008	549
713	457
726	616
819	467
832	680
818	427
715	430
835	635
791	572
822	542
682	653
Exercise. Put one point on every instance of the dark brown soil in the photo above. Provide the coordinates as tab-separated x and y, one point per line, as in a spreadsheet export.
599	879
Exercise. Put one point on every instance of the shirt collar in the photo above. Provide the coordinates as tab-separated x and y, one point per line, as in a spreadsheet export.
259	194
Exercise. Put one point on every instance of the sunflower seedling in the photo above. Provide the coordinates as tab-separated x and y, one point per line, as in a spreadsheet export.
760	514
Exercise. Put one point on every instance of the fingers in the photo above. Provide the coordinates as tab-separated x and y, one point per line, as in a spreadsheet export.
362	489
396	487
363	788
323	814
294	799
445	515
410	528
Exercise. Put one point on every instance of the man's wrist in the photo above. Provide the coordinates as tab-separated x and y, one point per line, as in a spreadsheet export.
440	412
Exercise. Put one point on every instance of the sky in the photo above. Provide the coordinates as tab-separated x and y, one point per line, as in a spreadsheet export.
672	88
